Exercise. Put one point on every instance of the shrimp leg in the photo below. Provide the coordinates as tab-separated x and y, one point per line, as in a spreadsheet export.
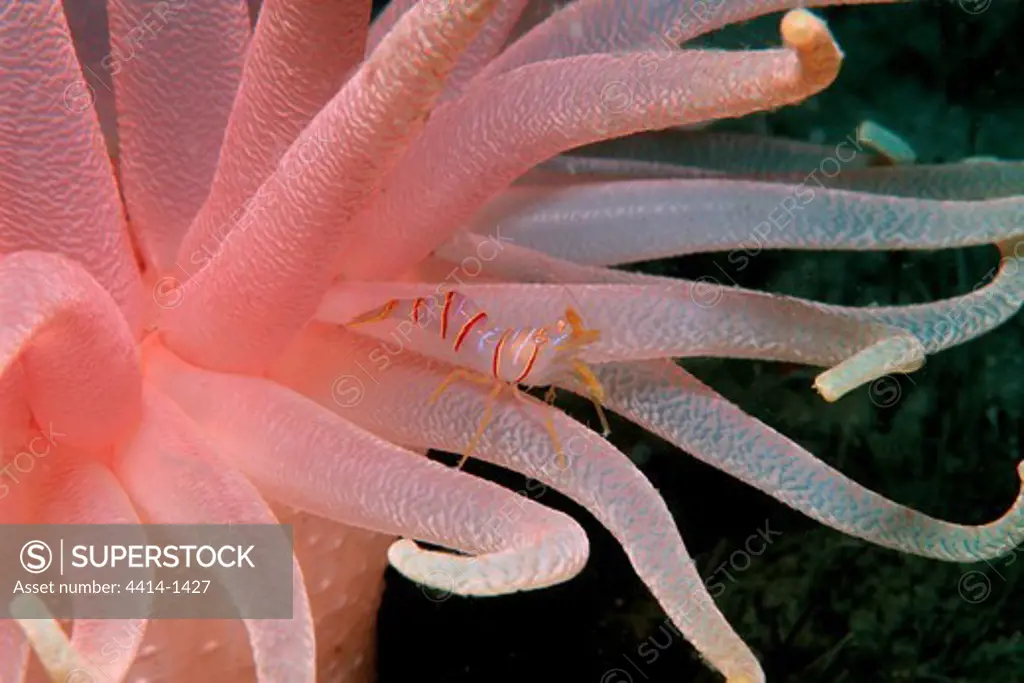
457	374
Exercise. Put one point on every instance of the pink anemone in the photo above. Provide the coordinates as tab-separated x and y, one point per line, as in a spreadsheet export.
173	321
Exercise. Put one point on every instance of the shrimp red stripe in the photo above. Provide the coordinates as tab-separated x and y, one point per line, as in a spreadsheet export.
496	360
444	313
461	336
529	364
416	309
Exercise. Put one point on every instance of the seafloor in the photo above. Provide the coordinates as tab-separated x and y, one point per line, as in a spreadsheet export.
817	606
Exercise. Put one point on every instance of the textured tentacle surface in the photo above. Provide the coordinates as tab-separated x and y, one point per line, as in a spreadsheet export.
935	326
566	169
503	127
173	478
483	49
57	190
940	325
964	181
386	21
176	68
846	164
597	476
303	455
76	350
736	154
584	223
301	53
276	268
668	401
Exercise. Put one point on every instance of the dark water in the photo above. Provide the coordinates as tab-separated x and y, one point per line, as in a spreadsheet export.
816	606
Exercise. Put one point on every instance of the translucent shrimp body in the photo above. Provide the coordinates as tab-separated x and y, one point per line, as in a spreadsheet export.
456	330
460	332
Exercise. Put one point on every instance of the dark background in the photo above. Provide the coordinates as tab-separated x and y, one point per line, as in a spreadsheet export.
816	606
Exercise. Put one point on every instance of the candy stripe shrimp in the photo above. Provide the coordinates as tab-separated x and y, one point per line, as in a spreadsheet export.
463	334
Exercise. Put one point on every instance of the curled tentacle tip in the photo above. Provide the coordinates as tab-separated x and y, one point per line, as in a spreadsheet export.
826	390
403	555
1020	472
438	571
491	574
901	354
817	51
894	149
46	637
401	549
802	29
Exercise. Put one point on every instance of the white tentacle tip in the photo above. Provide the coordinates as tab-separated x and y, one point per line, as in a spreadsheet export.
900	354
486	575
822	386
423	567
401	552
46	637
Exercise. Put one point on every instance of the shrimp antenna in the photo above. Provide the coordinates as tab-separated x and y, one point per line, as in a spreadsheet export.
375	315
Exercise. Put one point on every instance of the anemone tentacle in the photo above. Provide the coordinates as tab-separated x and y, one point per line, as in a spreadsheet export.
668	401
301	54
674	319
597	476
937	325
594	26
277	267
169	448
252	422
584	223
79	490
55	172
309	164
460	163
59	323
174	91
